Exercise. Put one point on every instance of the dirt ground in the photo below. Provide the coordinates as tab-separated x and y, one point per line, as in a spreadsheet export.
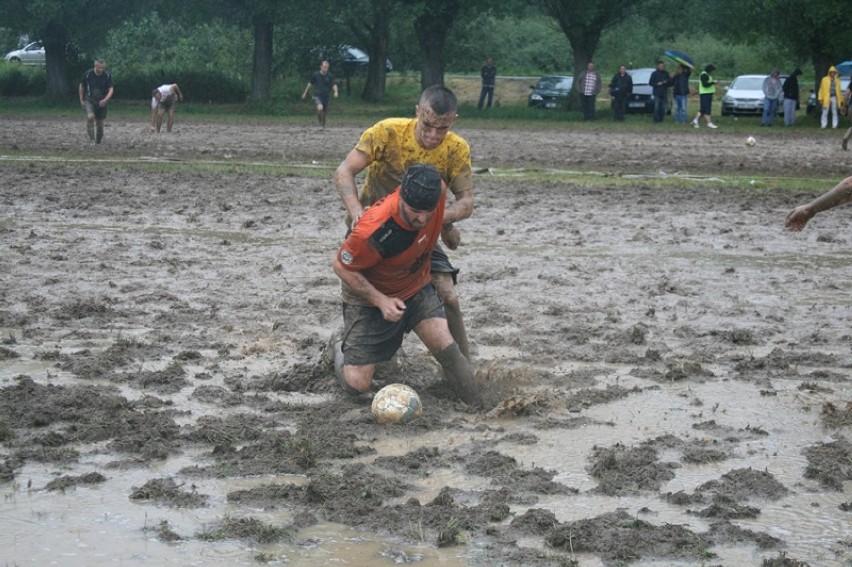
665	352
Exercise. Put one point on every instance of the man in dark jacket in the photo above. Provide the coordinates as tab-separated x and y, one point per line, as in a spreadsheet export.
680	92
791	97
620	88
660	82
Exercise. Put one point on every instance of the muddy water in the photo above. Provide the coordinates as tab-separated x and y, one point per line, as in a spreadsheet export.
681	321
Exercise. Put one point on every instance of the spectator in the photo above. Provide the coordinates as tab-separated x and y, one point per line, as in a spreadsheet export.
706	90
324	85
589	82
830	97
680	92
489	75
164	99
773	90
660	81
620	88
791	97
95	91
847	98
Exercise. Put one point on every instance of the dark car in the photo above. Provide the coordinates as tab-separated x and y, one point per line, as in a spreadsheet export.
813	107
347	60
551	91
642	99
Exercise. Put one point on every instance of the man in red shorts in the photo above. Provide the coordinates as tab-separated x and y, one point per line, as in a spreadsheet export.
384	265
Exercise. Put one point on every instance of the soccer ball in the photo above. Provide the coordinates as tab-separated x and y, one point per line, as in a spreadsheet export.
750	141
396	403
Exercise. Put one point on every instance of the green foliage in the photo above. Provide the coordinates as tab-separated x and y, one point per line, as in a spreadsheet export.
211	62
21	80
9	40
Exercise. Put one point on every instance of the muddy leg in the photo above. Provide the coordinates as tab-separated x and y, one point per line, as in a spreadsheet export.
447	292
459	374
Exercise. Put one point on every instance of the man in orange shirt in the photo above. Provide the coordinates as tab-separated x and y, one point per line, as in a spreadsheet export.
385	265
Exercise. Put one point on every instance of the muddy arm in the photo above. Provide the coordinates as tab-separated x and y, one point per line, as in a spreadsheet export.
839	195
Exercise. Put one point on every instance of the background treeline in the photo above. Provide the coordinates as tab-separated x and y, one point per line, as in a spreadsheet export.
213	54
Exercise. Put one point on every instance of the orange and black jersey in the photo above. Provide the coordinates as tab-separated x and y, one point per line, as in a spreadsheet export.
393	257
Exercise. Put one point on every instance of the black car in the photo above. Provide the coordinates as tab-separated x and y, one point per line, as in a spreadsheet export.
551	91
642	99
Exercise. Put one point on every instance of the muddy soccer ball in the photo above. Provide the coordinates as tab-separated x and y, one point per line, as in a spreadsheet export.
396	403
750	141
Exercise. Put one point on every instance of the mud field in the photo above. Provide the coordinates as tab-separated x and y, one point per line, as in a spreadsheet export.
668	370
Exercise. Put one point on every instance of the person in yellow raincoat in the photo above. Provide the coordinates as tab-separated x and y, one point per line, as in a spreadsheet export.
830	97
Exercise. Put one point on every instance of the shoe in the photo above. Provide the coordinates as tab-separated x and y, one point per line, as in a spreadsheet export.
711	125
695	124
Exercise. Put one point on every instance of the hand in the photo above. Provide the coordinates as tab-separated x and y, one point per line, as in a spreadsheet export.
451	236
798	218
392	309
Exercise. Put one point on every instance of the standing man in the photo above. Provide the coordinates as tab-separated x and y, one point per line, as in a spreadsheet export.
620	88
772	91
489	76
830	97
660	81
680	92
384	266
324	85
164	99
386	150
589	82
706	90
95	90
791	97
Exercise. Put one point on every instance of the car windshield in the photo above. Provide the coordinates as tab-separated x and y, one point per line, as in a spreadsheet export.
640	76
748	83
555	83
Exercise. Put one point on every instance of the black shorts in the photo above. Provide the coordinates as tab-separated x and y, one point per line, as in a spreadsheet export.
368	338
441	263
706	101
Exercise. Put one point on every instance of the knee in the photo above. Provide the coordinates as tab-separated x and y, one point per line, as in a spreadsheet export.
359	381
449	298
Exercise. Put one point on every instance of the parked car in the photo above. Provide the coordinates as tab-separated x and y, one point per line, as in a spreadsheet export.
347	59
642	99
744	96
813	107
32	54
550	91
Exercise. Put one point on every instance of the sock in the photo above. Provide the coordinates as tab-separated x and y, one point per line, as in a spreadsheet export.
459	374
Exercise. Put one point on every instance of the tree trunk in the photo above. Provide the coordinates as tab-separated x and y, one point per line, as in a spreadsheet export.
261	71
377	47
58	86
432	28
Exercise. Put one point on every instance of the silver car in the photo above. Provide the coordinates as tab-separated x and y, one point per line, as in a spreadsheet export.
32	54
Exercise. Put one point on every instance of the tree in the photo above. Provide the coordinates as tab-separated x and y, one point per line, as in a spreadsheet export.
583	22
59	23
809	31
372	29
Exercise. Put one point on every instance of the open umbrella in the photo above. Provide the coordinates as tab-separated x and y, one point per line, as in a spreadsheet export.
844	69
681	57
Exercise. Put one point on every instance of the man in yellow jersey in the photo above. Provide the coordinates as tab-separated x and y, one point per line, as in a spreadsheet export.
386	150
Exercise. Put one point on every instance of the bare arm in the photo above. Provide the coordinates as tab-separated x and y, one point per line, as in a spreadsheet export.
392	308
344	178
81	92
108	96
461	208
177	90
839	195
307	88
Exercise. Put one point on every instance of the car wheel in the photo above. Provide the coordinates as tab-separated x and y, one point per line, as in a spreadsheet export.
16	60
